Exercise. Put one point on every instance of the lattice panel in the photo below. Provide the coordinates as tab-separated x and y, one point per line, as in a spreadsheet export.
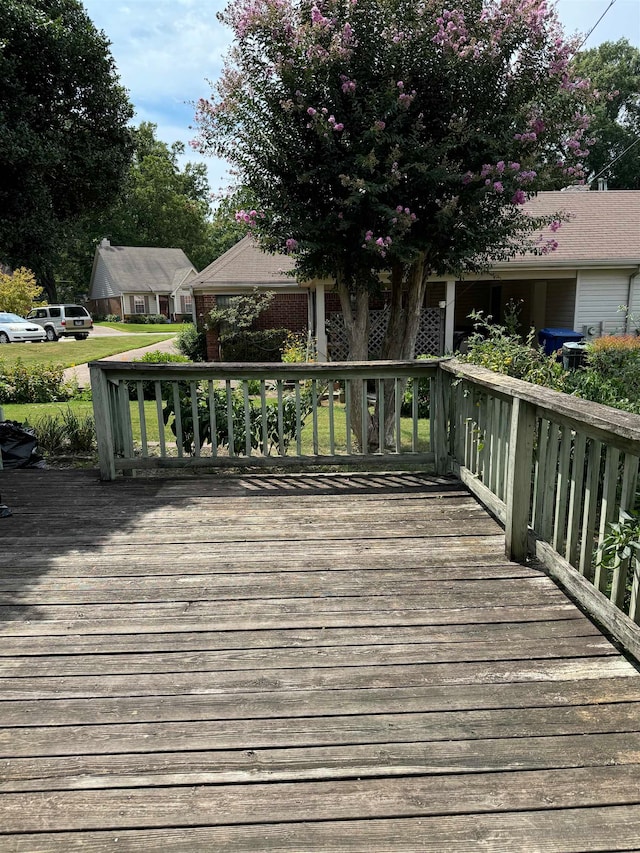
430	339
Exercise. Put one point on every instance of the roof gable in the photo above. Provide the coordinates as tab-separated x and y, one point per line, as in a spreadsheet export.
246	265
132	269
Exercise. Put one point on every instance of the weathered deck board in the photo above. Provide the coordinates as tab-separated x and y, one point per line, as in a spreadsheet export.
326	662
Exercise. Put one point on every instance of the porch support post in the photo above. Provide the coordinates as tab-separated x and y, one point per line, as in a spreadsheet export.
103	422
321	332
449	315
519	467
157	303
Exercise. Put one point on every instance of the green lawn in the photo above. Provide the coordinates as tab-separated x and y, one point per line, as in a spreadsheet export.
169	328
72	352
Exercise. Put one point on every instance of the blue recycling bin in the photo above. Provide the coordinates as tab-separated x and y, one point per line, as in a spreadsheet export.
553	339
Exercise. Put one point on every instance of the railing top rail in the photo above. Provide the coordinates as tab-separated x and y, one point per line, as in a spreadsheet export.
251	370
614	426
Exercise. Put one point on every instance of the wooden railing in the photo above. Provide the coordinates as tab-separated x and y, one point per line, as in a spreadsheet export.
215	415
557	471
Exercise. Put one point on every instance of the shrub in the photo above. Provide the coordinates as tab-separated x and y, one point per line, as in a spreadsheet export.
503	351
192	343
112	318
611	372
148	386
424	389
146	318
260	346
65	433
298	348
37	383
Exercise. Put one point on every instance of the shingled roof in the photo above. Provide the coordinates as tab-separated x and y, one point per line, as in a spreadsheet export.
603	229
245	265
134	269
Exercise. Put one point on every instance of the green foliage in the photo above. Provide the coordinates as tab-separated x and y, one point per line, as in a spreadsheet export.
18	291
614	68
148	386
66	432
424	391
33	383
493	346
297	348
243	414
64	135
112	318
611	373
240	313
144	319
259	346
192	343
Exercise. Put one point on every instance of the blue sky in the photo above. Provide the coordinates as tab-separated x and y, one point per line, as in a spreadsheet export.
166	50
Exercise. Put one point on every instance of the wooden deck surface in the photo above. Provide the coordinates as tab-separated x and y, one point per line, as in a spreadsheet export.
297	663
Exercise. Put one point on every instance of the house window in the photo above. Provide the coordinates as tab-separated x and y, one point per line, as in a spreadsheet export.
222	301
187	303
138	305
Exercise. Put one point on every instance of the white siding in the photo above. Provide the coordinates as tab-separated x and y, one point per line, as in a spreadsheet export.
560	307
599	294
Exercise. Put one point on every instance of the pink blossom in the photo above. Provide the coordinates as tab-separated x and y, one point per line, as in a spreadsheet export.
500	167
555	225
379	125
291	244
497	186
518	197
311	112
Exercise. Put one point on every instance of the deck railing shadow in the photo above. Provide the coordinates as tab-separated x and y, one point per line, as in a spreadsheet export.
555	470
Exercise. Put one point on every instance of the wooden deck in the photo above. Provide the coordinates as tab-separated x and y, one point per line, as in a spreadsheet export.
297	663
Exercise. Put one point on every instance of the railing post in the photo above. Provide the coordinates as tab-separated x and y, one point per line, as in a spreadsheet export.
438	413
518	475
102	418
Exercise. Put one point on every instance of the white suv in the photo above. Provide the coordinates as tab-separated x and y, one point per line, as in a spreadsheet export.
63	321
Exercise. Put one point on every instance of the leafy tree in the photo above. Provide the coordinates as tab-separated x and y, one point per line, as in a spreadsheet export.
18	291
64	140
614	68
390	135
160	205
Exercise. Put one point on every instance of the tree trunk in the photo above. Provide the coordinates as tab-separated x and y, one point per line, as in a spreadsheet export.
354	302
407	297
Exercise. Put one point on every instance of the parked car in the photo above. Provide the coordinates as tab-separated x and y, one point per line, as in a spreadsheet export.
14	329
63	321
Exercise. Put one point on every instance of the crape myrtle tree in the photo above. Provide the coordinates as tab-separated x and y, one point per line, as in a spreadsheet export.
64	140
396	136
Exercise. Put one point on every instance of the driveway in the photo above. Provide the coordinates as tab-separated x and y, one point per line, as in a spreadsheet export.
81	371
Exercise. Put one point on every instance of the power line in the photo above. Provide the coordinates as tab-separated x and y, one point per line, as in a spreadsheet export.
595	25
608	166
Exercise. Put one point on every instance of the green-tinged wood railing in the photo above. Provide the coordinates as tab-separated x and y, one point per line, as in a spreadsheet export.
165	415
556	471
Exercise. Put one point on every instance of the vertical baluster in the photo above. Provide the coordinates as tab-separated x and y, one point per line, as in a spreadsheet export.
124	408
230	432
562	490
489	466
212	418
281	447
500	447
575	498
298	419
587	543
380	406
314	412
347	412
247	418
539	474
158	393
264	415
415	390
364	410
177	419
397	399
549	484
627	499
332	437
143	419
193	390
481	435
607	511
634	604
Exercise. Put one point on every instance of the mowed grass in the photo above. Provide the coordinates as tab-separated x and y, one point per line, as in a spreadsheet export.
71	352
170	328
29	413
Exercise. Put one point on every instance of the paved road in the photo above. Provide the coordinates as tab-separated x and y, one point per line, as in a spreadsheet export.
81	371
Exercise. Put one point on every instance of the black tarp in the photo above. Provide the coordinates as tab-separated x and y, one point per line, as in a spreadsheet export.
19	446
